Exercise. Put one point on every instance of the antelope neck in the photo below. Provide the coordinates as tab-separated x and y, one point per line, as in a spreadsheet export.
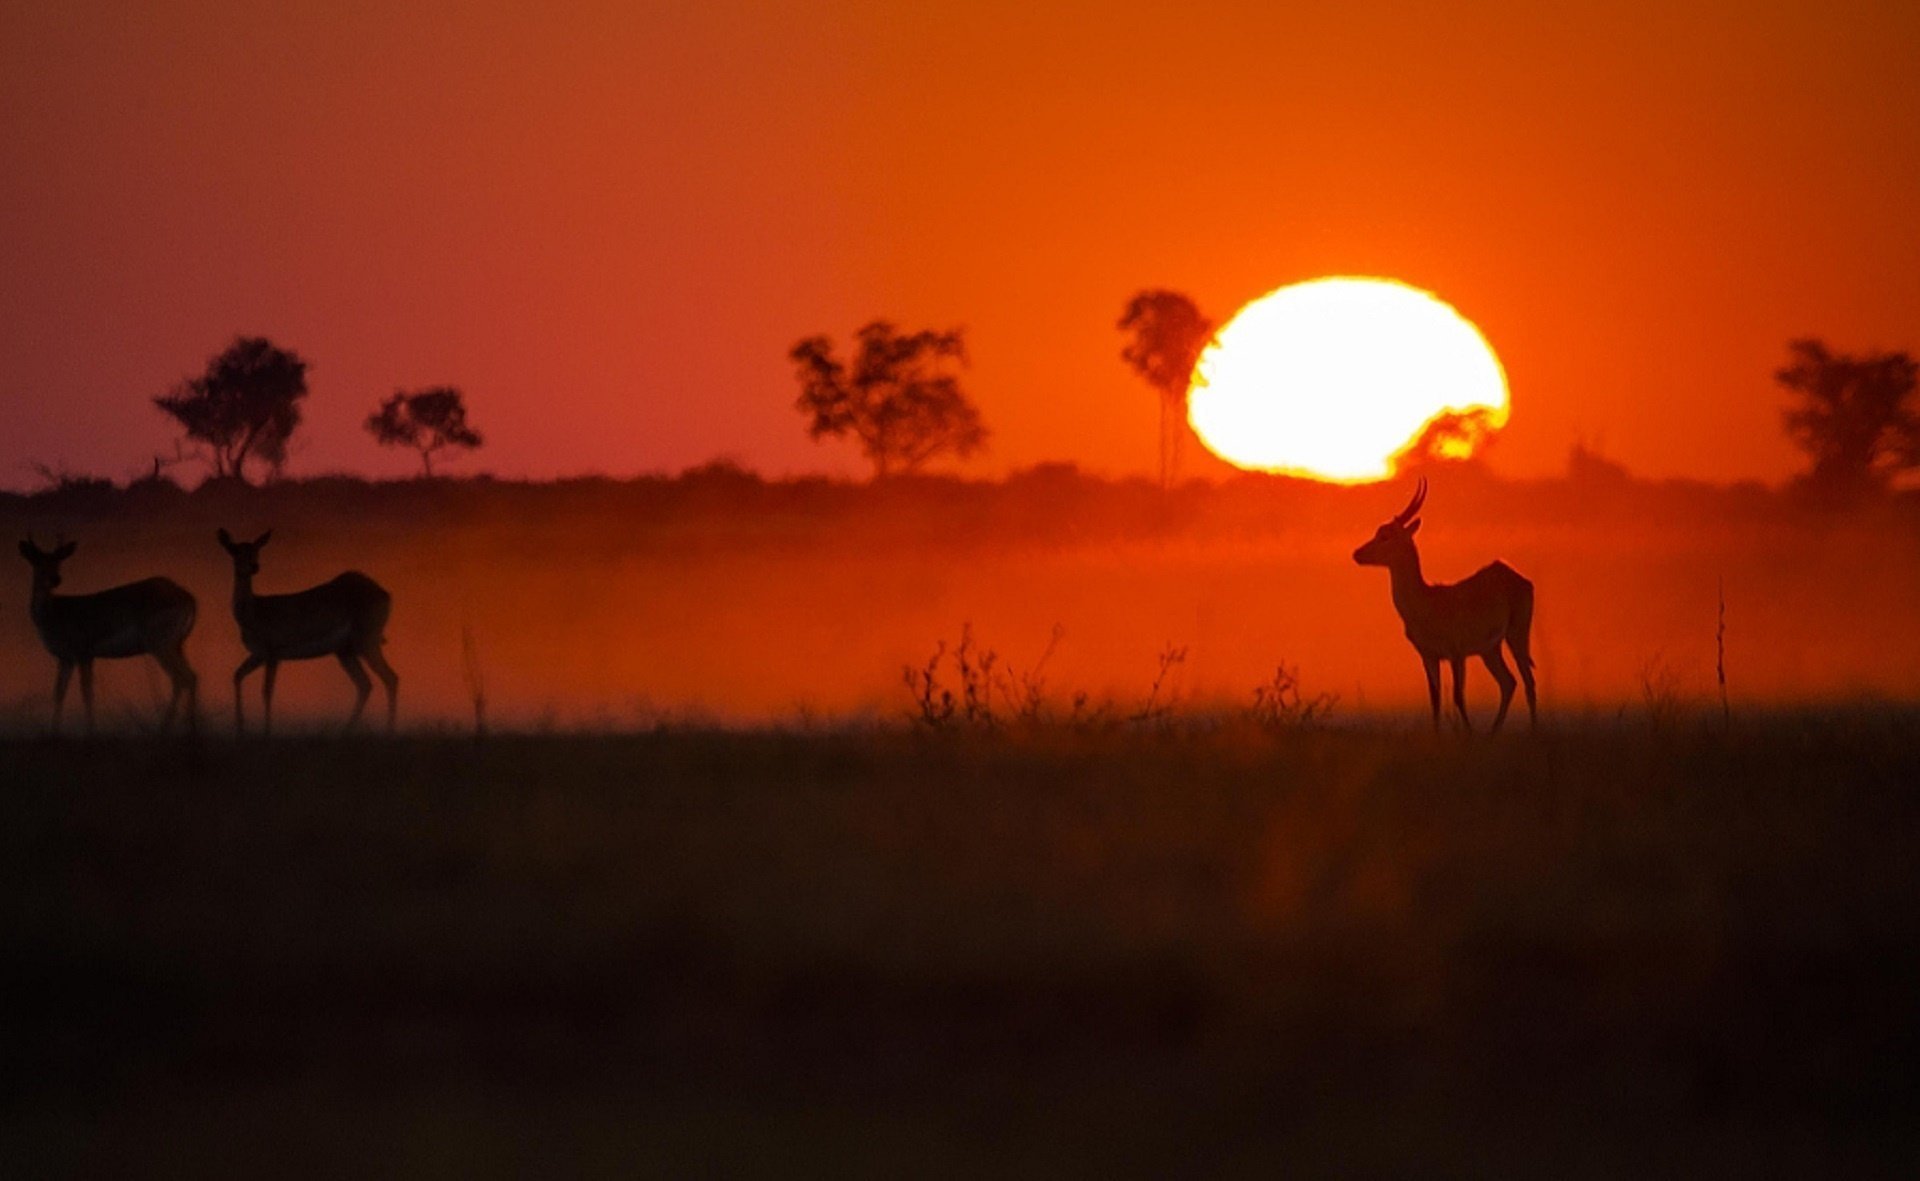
41	596
242	594
1409	586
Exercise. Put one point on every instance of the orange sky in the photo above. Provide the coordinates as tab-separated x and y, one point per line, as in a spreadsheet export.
607	222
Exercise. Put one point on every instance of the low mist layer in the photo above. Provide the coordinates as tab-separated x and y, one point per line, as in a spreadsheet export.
723	597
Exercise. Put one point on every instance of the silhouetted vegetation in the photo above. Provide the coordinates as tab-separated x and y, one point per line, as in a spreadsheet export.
1168	334
984	690
428	421
1856	417
244	408
1449	440
1279	702
898	399
75	486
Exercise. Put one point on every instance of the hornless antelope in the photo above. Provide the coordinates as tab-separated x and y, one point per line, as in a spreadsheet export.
152	616
345	618
1452	623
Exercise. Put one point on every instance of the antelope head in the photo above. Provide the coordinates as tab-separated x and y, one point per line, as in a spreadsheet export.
1393	541
46	564
246	554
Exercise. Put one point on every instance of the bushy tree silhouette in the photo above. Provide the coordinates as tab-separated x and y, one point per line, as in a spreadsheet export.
899	399
1453	437
1168	332
245	407
1855	417
429	421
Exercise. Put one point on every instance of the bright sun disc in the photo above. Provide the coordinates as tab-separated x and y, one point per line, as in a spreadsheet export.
1334	378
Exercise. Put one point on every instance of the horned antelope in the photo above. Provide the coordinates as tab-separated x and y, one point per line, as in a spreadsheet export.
153	616
1457	621
345	618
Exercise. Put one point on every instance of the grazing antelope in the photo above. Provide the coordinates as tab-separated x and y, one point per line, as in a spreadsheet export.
345	619
153	616
1452	623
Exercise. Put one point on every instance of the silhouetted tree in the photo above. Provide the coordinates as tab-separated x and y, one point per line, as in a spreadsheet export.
427	420
899	399
1452	437
245	407
1168	334
1855	417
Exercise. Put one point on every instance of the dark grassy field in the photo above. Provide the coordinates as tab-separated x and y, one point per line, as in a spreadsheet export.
1601	951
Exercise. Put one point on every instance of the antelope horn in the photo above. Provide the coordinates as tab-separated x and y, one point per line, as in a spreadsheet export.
1413	506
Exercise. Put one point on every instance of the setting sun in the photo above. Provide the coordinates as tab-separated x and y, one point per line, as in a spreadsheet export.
1335	378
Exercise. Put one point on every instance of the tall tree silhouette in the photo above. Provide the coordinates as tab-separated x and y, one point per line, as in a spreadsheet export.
1855	417
429	421
244	408
899	399
1168	332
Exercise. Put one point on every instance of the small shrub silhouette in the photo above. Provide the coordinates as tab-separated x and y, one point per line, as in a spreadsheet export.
1661	692
980	676
1158	708
1279	704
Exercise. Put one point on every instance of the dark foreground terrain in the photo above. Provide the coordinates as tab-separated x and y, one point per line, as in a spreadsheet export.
1604	951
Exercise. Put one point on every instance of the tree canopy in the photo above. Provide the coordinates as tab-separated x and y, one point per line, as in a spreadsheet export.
1855	417
428	421
244	407
899	399
1452	437
1168	332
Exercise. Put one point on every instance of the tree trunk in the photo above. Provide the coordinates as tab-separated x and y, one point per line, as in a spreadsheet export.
1166	444
1177	437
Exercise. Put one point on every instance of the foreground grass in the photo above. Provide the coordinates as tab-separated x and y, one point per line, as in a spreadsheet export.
1594	952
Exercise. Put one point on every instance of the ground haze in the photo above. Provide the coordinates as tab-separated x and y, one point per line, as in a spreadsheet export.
717	596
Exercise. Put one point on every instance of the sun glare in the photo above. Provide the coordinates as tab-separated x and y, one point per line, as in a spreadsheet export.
1335	378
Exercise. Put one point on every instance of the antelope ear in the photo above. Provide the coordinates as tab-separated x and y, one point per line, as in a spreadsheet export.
226	540
1413	526
65	551
262	539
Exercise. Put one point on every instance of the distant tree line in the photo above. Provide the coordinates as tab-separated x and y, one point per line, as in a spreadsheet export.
241	412
898	397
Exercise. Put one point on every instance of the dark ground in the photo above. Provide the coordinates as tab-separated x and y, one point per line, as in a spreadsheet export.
1603	951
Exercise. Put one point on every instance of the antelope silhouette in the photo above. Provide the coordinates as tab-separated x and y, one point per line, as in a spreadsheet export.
151	617
345	618
1469	618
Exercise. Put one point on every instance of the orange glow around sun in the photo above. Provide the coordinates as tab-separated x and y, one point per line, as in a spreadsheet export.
1334	378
